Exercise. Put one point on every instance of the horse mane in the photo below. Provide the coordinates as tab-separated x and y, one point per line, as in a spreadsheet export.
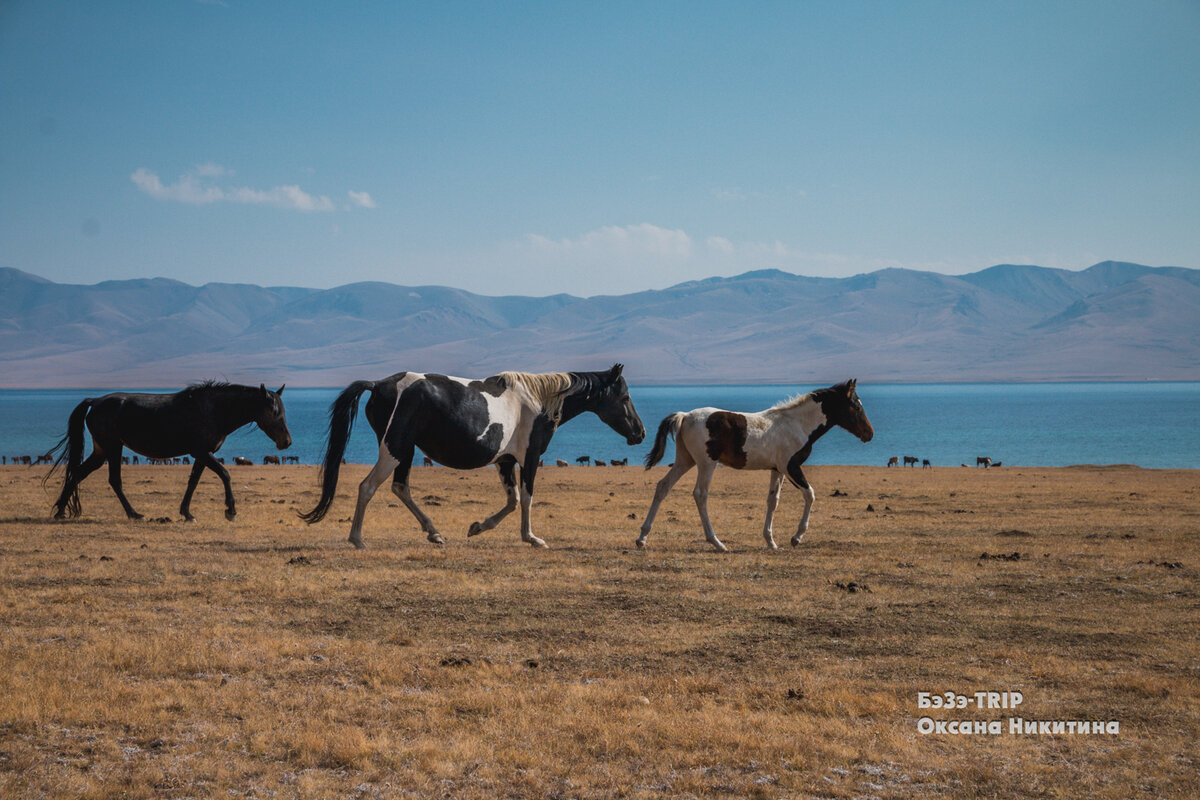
203	387
210	386
792	402
815	395
547	388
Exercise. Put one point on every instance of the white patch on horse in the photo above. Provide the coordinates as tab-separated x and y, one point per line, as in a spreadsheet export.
408	380
772	437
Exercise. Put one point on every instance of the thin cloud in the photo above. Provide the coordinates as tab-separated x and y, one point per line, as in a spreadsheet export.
188	189
197	187
737	194
620	258
733	195
719	244
616	240
290	197
635	251
361	199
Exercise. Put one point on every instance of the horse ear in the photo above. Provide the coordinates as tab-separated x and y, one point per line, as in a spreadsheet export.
281	388
262	387
851	385
615	372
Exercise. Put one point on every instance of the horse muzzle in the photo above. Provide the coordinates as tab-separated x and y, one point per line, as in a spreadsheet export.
866	433
638	434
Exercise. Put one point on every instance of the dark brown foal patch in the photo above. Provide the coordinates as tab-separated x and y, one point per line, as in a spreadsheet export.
727	438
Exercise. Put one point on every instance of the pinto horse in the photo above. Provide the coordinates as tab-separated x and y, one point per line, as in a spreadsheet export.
779	439
194	421
506	420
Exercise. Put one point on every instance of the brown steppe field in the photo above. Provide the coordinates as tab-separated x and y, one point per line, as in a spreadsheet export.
267	658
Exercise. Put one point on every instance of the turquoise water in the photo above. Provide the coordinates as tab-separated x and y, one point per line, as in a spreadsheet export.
1153	425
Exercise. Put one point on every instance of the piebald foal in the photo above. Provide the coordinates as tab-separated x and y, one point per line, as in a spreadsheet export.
779	439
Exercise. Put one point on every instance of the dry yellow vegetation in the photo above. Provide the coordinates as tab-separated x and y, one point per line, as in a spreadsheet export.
266	658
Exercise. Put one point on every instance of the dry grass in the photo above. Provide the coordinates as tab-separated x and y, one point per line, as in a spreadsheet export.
263	658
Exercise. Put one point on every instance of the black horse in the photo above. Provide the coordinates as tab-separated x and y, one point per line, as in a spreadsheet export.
192	422
507	420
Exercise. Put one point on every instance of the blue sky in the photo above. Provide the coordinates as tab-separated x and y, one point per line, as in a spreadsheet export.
594	148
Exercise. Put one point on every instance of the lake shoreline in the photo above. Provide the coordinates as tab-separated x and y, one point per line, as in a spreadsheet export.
1155	425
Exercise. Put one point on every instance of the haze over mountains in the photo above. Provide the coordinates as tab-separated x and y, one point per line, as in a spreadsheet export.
1113	321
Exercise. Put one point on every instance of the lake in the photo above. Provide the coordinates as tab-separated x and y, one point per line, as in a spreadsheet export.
1155	425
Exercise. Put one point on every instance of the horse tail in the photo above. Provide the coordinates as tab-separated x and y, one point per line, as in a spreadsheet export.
342	414
668	427
71	457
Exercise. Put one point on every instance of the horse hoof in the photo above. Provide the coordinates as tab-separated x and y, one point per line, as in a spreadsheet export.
231	515
640	544
536	542
136	516
475	529
358	545
795	542
720	548
188	518
437	538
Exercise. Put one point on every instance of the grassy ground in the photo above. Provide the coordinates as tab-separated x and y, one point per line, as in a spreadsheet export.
264	658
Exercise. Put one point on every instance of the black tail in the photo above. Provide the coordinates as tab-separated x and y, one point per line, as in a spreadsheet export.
71	445
668	427
341	419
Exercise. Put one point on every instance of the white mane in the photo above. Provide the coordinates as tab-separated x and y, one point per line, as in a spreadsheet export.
792	402
547	389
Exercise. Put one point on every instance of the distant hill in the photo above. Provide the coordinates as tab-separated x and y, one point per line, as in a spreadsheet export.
1113	321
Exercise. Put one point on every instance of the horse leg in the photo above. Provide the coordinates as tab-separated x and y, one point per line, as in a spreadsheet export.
508	477
705	471
210	461
114	480
223	474
527	474
772	504
797	476
366	490
400	489
193	479
70	487
683	462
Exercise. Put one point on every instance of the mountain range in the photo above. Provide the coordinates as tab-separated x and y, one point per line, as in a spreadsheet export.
1112	321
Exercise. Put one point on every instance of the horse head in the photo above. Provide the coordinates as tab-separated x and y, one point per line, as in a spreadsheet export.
271	417
615	408
843	408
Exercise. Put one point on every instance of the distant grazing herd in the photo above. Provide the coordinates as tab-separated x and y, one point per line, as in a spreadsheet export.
911	461
48	458
506	419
